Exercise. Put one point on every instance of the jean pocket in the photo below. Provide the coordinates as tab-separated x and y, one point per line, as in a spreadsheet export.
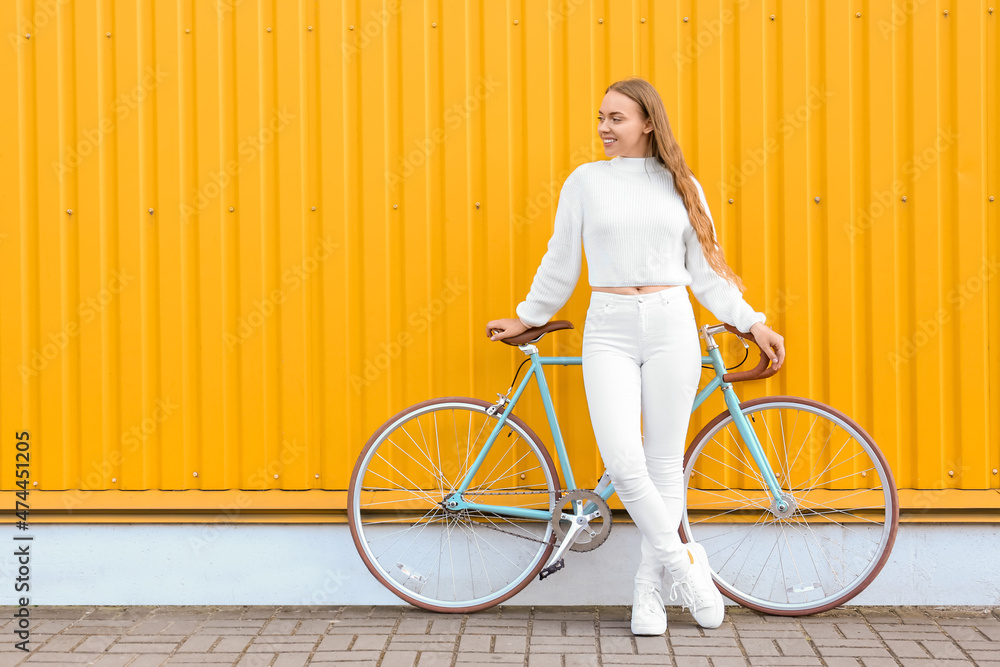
597	314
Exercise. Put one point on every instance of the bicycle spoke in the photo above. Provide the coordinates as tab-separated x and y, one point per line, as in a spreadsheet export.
722	485
839	544
500	460
780	563
837	479
770	439
435	475
738	438
806	439
823	472
837	523
418	492
729	511
756	535
439	474
836	511
784	444
826	556
722	463
423	526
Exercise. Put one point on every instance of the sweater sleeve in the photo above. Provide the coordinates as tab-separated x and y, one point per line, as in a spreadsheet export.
559	271
712	290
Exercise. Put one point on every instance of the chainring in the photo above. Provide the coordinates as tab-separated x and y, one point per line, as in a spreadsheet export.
598	525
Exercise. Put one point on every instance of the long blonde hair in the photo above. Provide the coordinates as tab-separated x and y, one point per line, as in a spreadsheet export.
667	151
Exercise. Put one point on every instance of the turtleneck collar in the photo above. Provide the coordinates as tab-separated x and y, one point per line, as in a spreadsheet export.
640	164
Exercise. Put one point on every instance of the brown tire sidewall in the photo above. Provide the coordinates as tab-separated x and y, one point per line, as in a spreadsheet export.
888	480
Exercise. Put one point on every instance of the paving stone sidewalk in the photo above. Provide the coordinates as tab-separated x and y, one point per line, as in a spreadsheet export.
291	636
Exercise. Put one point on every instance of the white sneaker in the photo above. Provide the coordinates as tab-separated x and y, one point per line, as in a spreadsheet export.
697	590
648	615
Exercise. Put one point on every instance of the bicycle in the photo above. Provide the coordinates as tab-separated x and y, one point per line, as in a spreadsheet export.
452	525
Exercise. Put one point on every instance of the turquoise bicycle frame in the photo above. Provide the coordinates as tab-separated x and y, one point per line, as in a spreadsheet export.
714	357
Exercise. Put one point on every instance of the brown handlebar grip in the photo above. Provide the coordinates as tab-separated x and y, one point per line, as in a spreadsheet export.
761	371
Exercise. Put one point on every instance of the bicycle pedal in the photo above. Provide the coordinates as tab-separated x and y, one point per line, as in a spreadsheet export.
552	569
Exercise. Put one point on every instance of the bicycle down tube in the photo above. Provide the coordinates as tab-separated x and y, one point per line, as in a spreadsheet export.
535	370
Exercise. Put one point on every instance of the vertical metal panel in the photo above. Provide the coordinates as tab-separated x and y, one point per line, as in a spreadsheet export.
275	241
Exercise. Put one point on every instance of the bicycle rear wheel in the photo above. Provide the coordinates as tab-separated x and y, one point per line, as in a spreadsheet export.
437	558
837	534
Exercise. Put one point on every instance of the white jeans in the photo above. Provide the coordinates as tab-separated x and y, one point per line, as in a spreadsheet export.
643	351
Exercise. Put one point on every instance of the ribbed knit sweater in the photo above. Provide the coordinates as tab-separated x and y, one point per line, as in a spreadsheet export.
635	231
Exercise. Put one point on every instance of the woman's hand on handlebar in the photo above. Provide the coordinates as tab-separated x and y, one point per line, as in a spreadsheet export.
768	338
505	328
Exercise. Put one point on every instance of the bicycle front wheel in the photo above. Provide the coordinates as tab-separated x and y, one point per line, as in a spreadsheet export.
444	559
832	540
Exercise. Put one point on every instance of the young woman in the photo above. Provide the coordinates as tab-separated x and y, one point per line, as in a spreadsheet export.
644	222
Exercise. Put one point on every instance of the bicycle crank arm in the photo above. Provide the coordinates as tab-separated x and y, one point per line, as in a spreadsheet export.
574	530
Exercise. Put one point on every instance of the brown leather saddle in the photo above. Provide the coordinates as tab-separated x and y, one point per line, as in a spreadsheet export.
535	333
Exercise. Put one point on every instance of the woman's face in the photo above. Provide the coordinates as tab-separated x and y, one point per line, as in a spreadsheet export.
623	128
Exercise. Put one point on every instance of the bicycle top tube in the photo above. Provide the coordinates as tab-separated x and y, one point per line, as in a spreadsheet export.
713	358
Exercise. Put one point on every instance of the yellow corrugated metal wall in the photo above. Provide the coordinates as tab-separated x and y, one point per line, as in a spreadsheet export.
238	235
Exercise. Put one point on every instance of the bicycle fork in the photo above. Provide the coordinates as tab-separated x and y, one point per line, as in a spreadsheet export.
782	505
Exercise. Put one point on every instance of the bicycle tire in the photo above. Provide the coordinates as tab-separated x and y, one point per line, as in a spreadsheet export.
706	455
524	565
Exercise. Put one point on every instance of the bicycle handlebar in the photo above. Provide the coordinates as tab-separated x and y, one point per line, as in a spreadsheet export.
760	372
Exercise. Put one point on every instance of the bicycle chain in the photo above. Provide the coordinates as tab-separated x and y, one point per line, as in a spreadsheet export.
490	525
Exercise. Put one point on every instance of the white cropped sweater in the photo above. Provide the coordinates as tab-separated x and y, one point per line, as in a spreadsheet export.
635	230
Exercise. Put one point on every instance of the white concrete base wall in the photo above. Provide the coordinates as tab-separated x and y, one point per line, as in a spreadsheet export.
296	564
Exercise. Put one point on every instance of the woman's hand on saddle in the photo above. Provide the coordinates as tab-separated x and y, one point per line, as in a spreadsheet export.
768	338
505	328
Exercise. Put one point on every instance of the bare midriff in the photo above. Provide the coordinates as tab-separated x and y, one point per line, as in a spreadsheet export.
641	289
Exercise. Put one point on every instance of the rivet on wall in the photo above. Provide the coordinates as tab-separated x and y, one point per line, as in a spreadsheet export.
269	30
951	473
730	201
187	30
352	28
994	471
515	21
772	17
395	205
231	209
685	19
991	10
317	476
602	20
434	25
196	474
114	479
276	476
817	200
991	197
904	199
151	211
69	211
946	12
477	205
858	15
27	35
313	208
310	28
108	35
642	20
